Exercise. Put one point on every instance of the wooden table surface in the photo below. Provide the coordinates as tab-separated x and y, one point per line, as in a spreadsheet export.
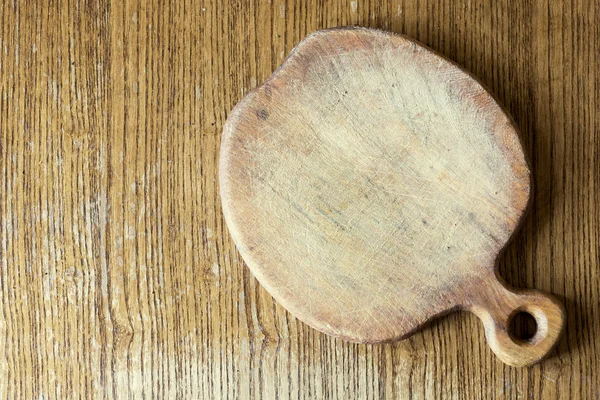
118	278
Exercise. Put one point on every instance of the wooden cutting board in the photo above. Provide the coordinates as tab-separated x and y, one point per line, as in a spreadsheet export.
370	185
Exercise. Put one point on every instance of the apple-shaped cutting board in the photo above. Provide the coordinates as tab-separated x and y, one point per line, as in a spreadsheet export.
370	185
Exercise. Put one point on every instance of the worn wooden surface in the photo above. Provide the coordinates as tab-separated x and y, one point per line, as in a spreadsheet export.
117	275
370	185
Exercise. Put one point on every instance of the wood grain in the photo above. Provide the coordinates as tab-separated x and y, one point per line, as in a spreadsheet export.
118	278
370	185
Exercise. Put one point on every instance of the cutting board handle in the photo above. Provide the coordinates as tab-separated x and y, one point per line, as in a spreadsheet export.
498	305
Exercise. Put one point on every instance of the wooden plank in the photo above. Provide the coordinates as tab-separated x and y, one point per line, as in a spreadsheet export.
117	275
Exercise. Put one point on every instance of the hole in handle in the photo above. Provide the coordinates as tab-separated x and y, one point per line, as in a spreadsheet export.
522	327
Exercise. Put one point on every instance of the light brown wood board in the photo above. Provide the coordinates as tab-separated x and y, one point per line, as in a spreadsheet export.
119	278
370	185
